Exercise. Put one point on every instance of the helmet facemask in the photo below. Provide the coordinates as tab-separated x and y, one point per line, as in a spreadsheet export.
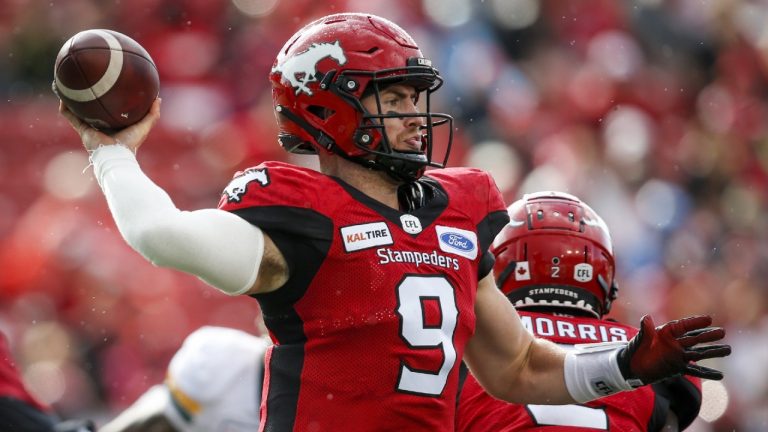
370	135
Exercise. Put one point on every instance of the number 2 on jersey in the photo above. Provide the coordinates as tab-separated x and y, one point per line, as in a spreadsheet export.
569	415
412	293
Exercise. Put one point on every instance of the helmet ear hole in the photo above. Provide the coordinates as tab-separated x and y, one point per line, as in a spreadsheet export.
294	144
320	112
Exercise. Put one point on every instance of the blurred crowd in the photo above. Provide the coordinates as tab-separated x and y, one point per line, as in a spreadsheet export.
654	112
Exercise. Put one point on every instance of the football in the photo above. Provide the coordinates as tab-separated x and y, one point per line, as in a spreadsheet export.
105	78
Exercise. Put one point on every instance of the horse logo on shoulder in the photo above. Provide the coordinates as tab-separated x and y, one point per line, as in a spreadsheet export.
301	69
239	185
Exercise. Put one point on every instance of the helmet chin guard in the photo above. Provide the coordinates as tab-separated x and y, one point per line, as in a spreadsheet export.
323	72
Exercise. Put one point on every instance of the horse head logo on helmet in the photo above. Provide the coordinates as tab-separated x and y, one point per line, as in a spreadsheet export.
301	69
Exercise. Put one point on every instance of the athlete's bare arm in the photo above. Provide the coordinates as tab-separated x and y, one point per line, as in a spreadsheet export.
273	272
508	361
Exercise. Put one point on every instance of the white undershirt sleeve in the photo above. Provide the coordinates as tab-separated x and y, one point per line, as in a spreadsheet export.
219	247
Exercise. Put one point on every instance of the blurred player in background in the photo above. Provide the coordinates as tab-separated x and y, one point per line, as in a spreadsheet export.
20	411
374	278
213	384
555	263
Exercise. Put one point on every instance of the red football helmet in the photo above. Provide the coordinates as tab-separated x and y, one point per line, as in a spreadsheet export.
324	70
555	254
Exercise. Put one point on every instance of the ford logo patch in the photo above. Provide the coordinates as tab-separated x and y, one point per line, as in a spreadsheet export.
457	241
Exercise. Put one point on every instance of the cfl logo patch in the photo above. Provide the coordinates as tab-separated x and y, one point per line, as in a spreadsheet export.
411	224
601	387
582	272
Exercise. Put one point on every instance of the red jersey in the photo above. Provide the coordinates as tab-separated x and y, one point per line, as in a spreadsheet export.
643	409
370	328
10	380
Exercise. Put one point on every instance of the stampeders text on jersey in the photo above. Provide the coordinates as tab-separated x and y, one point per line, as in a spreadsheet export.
387	255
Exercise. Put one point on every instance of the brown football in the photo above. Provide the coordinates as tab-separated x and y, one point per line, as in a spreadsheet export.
105	78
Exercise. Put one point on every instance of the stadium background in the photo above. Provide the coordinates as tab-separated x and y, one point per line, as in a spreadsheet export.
652	111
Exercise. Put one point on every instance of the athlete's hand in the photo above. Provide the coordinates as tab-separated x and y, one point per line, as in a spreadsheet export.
656	353
132	136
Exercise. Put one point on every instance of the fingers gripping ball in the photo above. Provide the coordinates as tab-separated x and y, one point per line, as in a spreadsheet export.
656	353
105	78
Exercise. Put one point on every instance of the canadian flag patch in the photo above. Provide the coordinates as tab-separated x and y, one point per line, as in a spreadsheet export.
522	272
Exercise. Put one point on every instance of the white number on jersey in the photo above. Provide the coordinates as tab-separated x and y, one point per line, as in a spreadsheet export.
569	415
410	295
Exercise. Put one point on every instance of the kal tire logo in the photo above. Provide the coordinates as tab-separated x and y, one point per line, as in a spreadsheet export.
457	241
239	185
366	236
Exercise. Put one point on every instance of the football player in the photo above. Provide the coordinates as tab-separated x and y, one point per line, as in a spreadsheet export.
20	411
555	263
374	276
213	384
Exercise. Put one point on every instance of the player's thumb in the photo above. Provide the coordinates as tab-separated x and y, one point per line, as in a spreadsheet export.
647	325
75	122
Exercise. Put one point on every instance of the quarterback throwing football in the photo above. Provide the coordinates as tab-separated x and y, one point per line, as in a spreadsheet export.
374	276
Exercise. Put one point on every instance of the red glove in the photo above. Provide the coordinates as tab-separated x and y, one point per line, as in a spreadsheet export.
660	352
